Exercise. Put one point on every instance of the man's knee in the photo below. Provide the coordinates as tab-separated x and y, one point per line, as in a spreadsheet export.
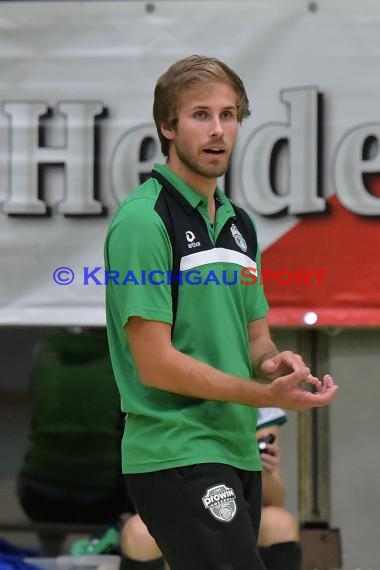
277	525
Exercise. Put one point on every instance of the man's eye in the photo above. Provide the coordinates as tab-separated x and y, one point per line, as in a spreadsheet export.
200	115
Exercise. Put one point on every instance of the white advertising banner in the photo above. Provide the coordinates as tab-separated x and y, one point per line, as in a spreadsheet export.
77	135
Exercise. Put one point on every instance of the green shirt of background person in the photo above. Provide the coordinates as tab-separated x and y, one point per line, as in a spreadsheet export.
76	420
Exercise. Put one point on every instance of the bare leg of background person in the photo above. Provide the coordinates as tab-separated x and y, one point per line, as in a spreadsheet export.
138	547
279	540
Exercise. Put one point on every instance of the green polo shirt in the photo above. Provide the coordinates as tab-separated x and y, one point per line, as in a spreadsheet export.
163	429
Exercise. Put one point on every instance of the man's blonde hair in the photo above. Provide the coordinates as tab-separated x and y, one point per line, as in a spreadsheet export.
181	75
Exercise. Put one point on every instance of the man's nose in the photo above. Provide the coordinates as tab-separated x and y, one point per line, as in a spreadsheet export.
216	129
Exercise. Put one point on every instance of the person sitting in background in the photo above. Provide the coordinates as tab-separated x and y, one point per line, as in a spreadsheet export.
278	541
71	471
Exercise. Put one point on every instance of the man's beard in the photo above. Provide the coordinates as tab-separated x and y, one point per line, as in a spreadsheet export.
207	171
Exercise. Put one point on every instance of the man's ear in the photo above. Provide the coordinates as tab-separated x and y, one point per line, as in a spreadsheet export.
168	132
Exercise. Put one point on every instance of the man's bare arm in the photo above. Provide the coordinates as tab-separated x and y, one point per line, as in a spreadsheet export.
160	365
261	345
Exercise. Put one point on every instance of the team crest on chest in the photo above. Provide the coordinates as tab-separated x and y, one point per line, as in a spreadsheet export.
240	241
220	500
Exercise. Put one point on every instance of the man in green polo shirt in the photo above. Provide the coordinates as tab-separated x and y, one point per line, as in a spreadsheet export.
188	335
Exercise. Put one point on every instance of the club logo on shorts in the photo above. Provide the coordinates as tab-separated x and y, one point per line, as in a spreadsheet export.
240	241
220	500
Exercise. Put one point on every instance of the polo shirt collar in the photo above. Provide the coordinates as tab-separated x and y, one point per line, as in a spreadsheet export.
191	196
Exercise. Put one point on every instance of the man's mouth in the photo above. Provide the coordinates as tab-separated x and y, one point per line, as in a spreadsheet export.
215	151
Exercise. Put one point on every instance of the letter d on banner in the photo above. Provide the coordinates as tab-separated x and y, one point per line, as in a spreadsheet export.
299	190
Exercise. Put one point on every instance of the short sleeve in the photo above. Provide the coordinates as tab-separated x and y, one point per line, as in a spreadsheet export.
271	416
138	257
